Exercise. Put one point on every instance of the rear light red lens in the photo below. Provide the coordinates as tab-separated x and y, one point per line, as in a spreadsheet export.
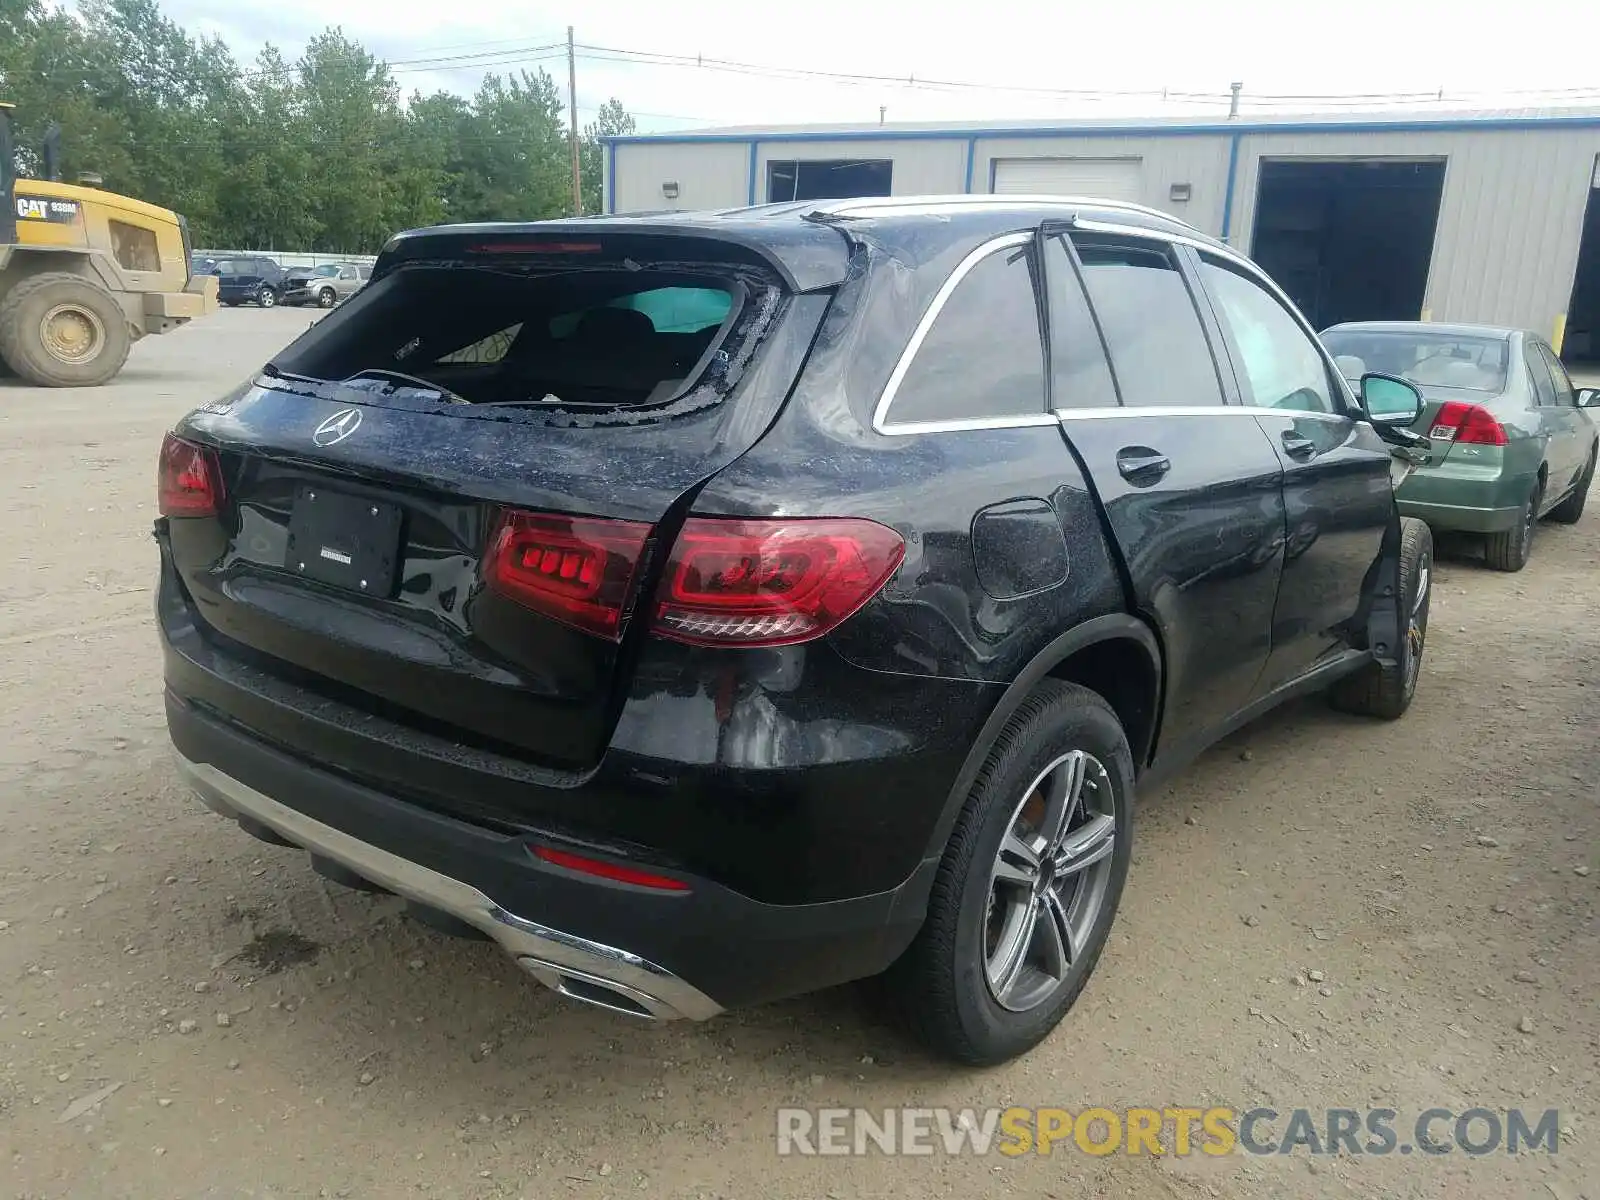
188	480
771	582
535	248
578	570
1457	421
609	870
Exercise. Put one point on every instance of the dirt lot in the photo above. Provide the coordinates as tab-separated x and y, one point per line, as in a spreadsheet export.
1322	912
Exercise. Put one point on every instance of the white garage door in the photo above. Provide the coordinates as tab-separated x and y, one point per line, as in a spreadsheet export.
1107	178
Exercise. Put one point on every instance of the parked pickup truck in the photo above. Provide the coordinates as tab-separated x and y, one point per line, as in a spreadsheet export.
712	608
324	286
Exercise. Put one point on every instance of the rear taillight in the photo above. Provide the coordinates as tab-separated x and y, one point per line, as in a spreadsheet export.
188	480
578	570
771	582
1457	421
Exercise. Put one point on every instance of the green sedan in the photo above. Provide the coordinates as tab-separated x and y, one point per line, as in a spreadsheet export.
1511	440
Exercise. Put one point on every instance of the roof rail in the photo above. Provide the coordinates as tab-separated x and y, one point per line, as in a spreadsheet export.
863	207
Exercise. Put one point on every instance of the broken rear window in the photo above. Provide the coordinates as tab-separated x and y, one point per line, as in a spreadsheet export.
611	336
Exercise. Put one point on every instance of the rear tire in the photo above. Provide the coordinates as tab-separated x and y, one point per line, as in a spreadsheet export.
1570	509
1010	939
1509	549
1379	690
59	330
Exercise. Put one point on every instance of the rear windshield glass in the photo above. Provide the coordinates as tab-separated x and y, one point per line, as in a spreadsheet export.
604	338
1476	364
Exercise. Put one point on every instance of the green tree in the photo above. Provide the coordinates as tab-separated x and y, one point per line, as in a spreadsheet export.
611	121
351	111
319	153
514	151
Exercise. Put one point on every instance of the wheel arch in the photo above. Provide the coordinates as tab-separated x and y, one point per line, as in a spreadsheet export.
24	262
1117	656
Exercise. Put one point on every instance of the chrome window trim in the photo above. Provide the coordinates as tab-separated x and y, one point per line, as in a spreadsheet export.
1190	410
880	412
1020	421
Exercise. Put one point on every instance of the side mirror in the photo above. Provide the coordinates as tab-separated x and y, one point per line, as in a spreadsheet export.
1388	400
1589	397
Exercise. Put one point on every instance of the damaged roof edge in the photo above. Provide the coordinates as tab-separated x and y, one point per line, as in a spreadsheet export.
807	255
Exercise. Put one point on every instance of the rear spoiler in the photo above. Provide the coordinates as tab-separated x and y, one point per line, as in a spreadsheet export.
807	256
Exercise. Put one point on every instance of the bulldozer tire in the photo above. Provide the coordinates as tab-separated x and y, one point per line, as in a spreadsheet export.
61	330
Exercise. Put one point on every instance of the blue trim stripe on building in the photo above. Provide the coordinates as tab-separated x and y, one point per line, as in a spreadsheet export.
1227	194
972	150
753	147
889	134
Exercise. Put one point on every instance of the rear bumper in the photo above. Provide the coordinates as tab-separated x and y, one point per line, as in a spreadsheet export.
571	965
1461	518
636	950
161	311
1470	497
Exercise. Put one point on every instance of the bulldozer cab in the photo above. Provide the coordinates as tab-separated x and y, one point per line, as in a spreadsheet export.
8	178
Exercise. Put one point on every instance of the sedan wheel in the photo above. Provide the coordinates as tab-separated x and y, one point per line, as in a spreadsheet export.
1509	550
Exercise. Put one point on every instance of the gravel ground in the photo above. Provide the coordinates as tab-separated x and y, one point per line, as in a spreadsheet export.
1323	911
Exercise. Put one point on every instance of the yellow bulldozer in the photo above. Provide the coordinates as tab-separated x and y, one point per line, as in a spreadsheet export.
84	273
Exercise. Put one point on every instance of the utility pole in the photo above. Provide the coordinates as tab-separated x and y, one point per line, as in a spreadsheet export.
572	110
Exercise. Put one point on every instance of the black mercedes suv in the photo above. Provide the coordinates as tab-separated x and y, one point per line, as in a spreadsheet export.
709	608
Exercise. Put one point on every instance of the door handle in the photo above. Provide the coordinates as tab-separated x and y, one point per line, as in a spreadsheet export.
1296	446
1142	465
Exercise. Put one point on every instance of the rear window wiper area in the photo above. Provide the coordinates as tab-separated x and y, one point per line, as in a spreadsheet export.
383	375
375	385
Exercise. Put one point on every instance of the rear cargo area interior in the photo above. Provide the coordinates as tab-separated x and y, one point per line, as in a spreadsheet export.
589	337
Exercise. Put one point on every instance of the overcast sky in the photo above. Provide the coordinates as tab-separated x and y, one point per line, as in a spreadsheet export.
1128	46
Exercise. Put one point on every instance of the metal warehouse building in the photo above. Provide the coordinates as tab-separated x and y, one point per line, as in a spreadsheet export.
1469	216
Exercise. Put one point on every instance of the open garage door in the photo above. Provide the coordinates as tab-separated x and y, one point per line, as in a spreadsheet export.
1349	239
1580	346
1109	178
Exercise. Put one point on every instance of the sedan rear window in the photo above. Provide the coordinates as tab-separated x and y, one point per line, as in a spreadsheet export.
1474	364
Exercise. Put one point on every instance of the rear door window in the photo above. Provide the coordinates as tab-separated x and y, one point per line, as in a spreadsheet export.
1544	389
1564	395
1158	347
982	357
1080	377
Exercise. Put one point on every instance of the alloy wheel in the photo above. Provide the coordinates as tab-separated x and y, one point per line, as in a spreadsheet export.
1049	881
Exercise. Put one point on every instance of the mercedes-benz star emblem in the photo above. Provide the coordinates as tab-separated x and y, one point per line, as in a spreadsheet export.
337	427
